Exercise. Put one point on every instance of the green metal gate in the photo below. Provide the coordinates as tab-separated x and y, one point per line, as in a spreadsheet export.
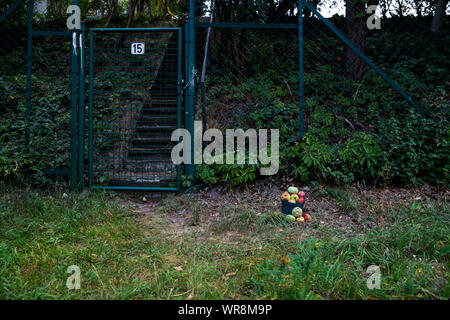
134	106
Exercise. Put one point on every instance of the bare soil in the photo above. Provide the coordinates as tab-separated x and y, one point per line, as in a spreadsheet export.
347	210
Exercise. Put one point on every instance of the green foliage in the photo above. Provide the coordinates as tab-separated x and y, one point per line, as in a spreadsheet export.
416	150
207	174
238	174
233	175
360	155
48	147
14	164
349	138
310	159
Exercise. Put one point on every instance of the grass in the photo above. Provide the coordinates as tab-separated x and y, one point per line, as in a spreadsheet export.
241	254
412	255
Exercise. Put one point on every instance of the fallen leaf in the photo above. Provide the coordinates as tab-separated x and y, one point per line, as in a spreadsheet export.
287	260
230	274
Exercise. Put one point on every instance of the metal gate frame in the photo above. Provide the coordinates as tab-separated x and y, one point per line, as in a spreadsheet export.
91	95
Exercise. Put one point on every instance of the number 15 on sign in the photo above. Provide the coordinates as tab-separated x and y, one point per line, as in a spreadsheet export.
138	48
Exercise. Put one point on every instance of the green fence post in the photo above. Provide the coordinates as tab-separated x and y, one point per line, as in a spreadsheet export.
179	91
82	105
73	114
74	109
91	99
190	81
300	67
29	66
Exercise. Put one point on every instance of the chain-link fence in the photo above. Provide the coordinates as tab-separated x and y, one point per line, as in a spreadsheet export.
251	60
248	53
39	124
327	69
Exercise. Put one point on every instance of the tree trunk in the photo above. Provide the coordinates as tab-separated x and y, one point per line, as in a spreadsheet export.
131	13
439	16
418	4
355	31
140	6
112	11
400	8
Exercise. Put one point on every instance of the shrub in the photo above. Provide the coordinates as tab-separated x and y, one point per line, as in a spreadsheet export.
416	150
233	175
310	159
361	156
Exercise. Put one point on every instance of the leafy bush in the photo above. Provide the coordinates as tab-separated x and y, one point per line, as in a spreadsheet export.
310	159
231	174
361	136
49	132
13	164
416	150
360	155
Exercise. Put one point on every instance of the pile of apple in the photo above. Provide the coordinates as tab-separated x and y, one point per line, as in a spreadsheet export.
293	195
298	215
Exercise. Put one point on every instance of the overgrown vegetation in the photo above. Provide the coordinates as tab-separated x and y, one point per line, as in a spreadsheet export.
347	139
355	130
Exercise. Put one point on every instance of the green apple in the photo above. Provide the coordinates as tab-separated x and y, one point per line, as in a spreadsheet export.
290	218
293	190
297	212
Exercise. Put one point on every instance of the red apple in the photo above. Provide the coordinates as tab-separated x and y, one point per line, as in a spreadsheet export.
307	217
301	194
285	196
301	200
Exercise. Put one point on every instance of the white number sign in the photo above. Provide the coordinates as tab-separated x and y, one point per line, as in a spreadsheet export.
138	48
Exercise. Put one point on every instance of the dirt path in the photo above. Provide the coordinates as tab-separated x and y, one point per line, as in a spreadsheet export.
215	211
